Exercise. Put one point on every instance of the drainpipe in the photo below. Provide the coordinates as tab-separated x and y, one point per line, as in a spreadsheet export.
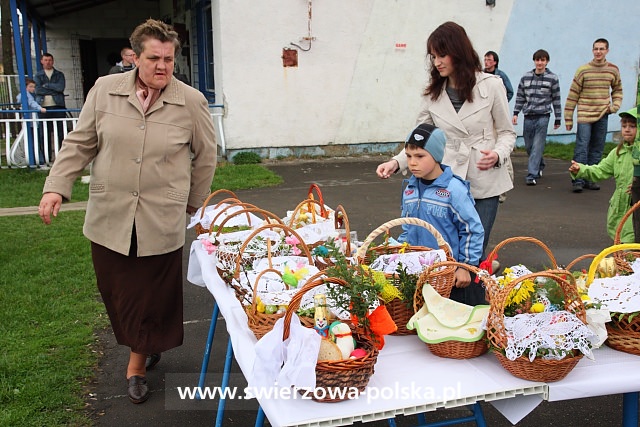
218	115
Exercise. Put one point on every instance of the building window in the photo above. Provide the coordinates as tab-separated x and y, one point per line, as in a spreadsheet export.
205	49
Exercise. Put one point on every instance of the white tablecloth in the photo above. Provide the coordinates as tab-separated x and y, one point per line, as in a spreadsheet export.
405	365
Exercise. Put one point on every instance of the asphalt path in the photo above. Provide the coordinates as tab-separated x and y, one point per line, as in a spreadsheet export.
569	224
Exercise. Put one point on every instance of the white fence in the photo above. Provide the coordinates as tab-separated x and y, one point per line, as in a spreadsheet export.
26	140
32	141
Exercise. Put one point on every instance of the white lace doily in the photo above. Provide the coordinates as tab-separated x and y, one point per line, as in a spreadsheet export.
620	294
559	331
516	271
415	262
210	213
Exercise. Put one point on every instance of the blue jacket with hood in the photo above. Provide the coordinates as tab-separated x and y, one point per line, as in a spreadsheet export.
446	204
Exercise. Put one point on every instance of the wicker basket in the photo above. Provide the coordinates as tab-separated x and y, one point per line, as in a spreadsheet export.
490	291
341	222
261	323
401	311
199	228
621	256
227	255
623	335
541	370
244	260
450	349
341	375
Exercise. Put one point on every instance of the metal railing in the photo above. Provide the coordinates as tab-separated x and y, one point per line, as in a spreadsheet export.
27	140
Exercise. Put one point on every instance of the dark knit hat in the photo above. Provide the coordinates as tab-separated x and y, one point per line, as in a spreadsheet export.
430	138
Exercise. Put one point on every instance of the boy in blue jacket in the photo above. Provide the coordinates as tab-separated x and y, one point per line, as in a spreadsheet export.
436	195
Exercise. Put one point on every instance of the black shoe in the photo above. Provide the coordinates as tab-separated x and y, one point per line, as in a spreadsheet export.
577	187
592	186
137	389
152	360
531	181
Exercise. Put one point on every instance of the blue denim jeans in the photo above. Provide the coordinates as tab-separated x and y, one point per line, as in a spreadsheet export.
590	139
487	210
535	138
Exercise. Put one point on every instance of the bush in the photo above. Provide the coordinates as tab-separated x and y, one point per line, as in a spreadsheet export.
246	158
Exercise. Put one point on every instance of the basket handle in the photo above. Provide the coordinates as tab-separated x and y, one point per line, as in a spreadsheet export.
315	187
362	251
294	304
231	203
494	252
496	331
266	215
254	305
577	260
308	202
214	194
342	220
604	253
272	226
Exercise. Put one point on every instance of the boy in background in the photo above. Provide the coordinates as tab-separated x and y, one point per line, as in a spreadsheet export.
635	183
31	101
596	91
436	195
538	92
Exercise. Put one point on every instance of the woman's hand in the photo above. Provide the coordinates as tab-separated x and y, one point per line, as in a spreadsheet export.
462	278
488	160
49	204
386	169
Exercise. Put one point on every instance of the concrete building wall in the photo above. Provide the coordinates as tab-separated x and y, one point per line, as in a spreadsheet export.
354	86
358	80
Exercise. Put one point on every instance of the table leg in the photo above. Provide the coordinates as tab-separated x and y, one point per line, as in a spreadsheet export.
630	409
259	417
225	383
207	348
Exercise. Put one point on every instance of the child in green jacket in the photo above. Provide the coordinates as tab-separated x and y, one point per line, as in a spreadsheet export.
635	185
619	165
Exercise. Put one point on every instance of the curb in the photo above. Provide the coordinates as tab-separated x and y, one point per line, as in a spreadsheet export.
32	210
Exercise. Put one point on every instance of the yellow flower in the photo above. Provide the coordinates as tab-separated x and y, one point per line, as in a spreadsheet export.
585	297
537	307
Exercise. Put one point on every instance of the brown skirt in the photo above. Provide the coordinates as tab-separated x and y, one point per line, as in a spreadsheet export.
143	297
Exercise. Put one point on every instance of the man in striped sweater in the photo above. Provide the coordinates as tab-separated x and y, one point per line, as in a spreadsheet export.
597	91
538	92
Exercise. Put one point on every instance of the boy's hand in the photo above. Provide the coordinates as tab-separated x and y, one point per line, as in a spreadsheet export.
462	278
575	167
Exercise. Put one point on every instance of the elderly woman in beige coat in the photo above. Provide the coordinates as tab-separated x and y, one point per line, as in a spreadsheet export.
471	108
151	144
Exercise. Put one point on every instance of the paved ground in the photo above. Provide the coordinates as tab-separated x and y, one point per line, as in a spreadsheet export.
570	224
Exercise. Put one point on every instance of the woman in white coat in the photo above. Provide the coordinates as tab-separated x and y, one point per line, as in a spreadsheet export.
471	108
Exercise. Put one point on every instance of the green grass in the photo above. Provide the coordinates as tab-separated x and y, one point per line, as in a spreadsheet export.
23	187
50	311
50	303
561	151
241	177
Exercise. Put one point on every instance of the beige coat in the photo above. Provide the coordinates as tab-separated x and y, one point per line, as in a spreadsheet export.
146	167
484	124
